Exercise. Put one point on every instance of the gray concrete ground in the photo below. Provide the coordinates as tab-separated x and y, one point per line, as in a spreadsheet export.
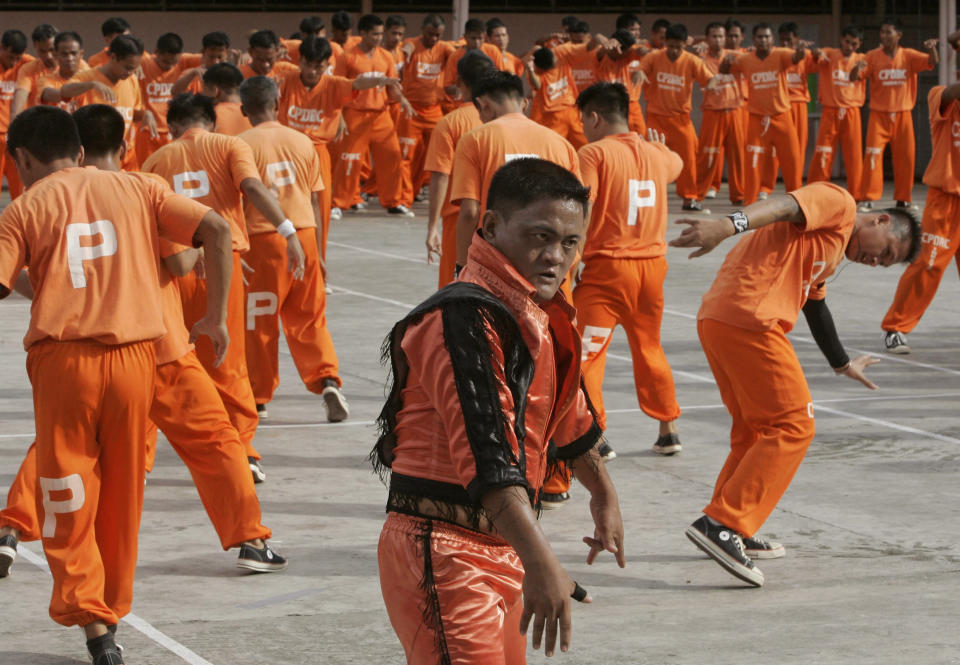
873	566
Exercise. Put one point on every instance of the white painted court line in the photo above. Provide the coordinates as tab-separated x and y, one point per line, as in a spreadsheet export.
360	294
361	423
388	255
886	423
131	619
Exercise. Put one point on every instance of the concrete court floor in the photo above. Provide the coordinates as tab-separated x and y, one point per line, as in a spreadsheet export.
873	566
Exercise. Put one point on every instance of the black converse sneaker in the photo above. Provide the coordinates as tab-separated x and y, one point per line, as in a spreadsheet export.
724	546
264	560
668	444
550	501
8	552
258	475
607	454
104	651
758	547
896	342
262	411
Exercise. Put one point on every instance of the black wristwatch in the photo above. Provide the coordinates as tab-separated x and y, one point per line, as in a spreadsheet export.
740	222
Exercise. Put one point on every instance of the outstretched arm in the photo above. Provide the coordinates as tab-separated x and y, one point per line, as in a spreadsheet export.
591	471
932	53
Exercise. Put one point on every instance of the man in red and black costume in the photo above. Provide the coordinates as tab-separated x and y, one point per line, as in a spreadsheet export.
487	392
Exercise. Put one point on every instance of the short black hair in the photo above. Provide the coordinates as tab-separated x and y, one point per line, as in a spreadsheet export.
789	28
315	49
894	21
101	129
223	75
311	24
43	32
582	27
624	21
264	39
528	180
473	25
124	46
67	36
368	22
433	21
543	58
114	26
14	40
625	38
46	132
676	31
258	94
341	20
473	66
610	100
499	86
733	23
393	20
493	24
188	108
713	25
660	24
171	43
569	22
762	26
906	225
851	30
216	39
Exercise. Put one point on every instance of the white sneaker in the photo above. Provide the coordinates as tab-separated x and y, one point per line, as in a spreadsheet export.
711	194
336	213
328	290
763	196
401	211
896	342
336	404
865	206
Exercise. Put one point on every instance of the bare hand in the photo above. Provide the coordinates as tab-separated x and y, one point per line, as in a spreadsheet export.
855	370
653	136
109	96
546	600
803	43
217	332
341	130
407	108
703	233
730	60
151	124
245	268
296	260
433	244
608	530
931	44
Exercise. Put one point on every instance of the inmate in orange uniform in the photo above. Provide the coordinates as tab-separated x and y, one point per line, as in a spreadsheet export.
583	63
194	166
290	168
625	264
941	219
668	91
840	102
440	153
316	112
369	127
722	133
129	101
555	103
90	358
770	126
450	68
623	71
8	86
28	77
155	87
100	57
422	78
893	94
799	100
753	303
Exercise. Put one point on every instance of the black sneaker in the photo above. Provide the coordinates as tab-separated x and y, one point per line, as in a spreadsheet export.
553	501
896	342
692	205
668	444
112	628
402	211
724	546
335	403
607	453
907	204
758	547
8	552
358	207
262	411
104	651
258	475
264	560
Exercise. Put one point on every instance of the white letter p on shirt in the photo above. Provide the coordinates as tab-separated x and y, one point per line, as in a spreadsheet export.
77	253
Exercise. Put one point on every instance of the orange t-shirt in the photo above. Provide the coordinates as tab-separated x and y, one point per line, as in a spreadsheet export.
230	119
337	52
156	84
91	239
293	50
450	69
621	71
100	58
728	93
766	278
355	63
628	179
583	63
443	145
767	92
670	84
893	81
28	78
491	145
512	63
315	112
290	168
557	91
277	72
423	74
836	89
209	168
943	171
797	79
55	81
8	85
126	90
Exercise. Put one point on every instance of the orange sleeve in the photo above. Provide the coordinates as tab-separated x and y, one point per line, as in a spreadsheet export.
466	182
918	61
672	162
817	291
315	178
177	216
190	60
243	165
340	91
824	205
13	248
450	70
933	103
25	79
589	175
786	59
170	248
701	73
440	151
340	68
646	65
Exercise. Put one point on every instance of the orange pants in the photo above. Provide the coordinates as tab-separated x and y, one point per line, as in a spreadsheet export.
90	405
635	120
565	122
21	510
919	282
768	179
772	413
146	145
682	139
8	168
838	125
897	130
453	595
635	301
230	377
272	294
414	135
325	195
448	249
766	133
373	131
721	134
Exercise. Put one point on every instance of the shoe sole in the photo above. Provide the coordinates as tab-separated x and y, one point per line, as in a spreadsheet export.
261	566
667	451
7	555
263	415
752	577
552	505
337	409
900	350
609	457
777	553
258	476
